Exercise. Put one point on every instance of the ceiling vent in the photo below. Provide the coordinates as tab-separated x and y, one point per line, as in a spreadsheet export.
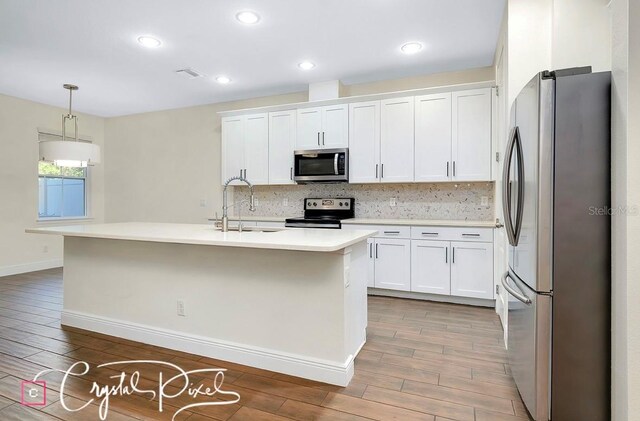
189	73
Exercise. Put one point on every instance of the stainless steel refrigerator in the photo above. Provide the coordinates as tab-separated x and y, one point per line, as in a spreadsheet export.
557	216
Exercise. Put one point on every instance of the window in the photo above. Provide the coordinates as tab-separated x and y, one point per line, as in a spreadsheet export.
62	191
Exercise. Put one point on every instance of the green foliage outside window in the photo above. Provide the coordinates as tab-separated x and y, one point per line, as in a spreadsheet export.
48	169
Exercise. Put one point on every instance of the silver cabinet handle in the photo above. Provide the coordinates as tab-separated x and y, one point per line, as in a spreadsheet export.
291	173
391	232
470	235
518	294
318	138
376	250
447	168
453	255
430	233
381	170
446	254
322	138
454	168
376	170
370	250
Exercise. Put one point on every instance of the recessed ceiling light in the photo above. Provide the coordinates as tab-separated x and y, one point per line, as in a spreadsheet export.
223	80
411	47
248	17
149	42
306	65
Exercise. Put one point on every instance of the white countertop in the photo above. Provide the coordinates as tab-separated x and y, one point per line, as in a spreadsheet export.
421	222
258	218
374	221
300	239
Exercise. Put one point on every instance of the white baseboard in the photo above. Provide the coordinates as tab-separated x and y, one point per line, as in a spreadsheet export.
294	365
481	302
30	267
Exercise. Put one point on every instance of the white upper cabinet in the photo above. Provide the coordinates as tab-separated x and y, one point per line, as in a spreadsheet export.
309	128
472	269
432	158
471	135
256	148
335	126
232	147
282	136
245	148
396	140
323	127
364	142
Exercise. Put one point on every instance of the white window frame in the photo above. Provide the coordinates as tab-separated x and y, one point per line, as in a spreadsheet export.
87	214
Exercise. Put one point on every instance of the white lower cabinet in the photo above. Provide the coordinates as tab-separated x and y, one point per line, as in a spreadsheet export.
430	269
390	262
440	266
471	269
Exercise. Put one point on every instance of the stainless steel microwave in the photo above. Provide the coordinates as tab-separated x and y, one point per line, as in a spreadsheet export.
321	166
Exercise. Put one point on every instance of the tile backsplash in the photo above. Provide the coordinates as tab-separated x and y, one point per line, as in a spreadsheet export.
459	201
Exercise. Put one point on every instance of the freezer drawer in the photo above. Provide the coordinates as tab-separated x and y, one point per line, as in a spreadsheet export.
529	345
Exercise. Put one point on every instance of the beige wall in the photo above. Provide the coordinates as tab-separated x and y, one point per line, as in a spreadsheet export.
626	194
161	165
19	121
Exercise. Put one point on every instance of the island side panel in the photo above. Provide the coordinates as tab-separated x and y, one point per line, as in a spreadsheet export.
355	308
273	309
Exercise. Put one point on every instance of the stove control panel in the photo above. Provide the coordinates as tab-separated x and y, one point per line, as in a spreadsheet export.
328	204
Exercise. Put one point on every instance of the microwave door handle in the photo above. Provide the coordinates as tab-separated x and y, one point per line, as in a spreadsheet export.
335	163
506	190
518	294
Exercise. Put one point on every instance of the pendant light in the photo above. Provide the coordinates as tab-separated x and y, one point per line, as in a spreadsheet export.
69	153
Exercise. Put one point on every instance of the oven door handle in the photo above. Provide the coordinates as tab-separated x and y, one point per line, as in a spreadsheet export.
335	163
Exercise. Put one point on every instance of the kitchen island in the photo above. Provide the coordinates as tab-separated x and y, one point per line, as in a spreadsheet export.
291	301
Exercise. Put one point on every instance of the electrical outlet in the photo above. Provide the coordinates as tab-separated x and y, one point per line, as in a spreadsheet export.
393	202
45	249
484	201
181	311
285	201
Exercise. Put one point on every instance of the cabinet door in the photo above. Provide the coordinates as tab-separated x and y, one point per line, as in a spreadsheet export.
472	269
471	135
430	268
282	136
256	148
371	262
309	128
364	142
232	147
335	126
392	264
432	160
396	140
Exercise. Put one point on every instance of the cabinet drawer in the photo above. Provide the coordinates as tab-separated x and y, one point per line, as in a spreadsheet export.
452	234
384	231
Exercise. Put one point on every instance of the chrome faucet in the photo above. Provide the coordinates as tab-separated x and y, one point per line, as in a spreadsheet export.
225	207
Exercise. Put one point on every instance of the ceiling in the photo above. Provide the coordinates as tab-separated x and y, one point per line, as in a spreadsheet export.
93	44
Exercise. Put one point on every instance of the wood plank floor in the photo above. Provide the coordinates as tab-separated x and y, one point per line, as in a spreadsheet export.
422	361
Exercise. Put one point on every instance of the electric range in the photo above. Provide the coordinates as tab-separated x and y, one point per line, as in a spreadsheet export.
324	213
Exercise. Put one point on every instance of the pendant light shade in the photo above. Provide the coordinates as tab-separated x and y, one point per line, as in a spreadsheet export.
69	153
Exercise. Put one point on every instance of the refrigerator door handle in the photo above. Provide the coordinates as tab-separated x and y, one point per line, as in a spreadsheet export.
521	183
506	190
518	294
